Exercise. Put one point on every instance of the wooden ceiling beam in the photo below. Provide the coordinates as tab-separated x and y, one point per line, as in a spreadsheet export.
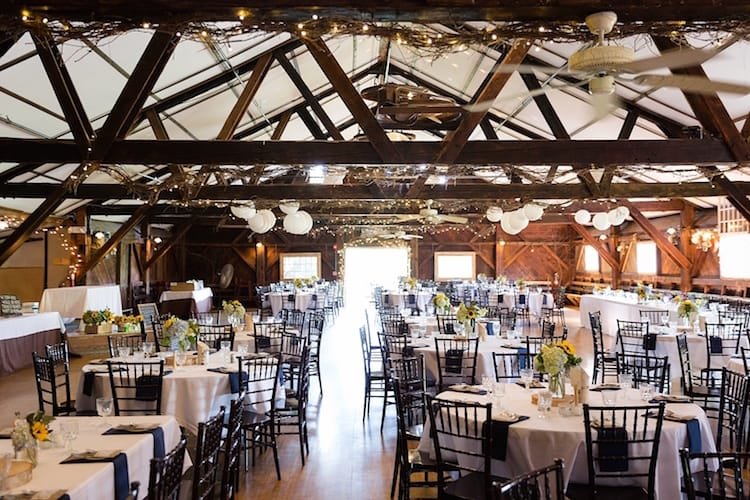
161	134
491	87
67	97
510	152
628	124
611	260
478	191
378	139
307	94
246	97
283	121
311	124
658	237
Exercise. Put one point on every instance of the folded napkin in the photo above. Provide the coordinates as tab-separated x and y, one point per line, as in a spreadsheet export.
262	342
605	387
468	389
535	384
671	398
715	345
677	416
695	443
649	342
499	436
236	381
118	459
612	449
155	431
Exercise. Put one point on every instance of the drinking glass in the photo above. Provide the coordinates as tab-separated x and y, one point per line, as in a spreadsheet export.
123	351
241	350
225	345
69	431
527	375
148	348
487	383
647	391
179	359
544	404
104	408
498	393
609	398
6	460
665	319
626	382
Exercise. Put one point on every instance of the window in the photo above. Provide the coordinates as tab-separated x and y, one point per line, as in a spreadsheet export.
733	261
454	266
299	265
590	259
645	257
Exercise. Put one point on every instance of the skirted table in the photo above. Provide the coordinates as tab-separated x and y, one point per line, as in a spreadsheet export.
22	335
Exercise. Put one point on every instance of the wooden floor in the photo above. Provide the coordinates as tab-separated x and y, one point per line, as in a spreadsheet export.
348	459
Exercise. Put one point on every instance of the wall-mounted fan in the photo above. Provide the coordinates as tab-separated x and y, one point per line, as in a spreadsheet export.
429	215
600	66
226	275
399	235
414	105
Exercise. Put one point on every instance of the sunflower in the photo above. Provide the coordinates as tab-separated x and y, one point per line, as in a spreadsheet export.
568	347
40	431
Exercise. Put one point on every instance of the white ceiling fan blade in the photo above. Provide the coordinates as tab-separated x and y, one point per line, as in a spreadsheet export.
531	68
603	105
693	84
456	219
480	107
411	237
407	217
673	59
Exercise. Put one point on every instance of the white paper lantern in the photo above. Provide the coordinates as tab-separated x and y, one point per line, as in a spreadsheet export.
505	225
243	211
518	219
614	217
308	221
533	211
624	212
582	216
289	206
601	221
494	214
294	223
257	223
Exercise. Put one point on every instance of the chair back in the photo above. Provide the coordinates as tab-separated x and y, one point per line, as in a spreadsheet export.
159	338
653	316
53	396
634	338
136	387
208	318
745	359
268	337
446	324
547	329
507	319
521	301
206	461
456	360
395	326
619	431
395	346
686	368
232	450
214	335
461	436
644	369
735	391
262	381
134	342
722	340
508	365
534	344
409	375
165	474
315	324
546	483
597	336
293	319
292	348
729	482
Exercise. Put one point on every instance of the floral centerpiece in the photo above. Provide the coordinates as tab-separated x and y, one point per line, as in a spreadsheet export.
127	323
468	315
640	290
441	302
411	283
520	283
180	334
234	310
27	432
502	279
298	282
97	321
555	360
687	309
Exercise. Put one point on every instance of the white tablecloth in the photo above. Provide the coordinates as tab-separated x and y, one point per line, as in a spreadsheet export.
191	393
202	297
96	480
301	300
485	360
535	443
73	301
400	299
535	300
29	324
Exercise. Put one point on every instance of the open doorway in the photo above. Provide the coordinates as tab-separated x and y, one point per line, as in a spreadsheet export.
368	267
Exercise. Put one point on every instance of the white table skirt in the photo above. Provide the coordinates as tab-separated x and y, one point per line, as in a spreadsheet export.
96	480
301	300
203	297
535	443
73	301
29	324
400	299
192	393
535	300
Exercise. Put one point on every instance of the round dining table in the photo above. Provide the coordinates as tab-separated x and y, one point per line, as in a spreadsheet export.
485	362
536	442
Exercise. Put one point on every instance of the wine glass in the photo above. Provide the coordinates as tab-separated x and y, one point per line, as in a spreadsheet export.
487	383
544	404
665	319
180	357
104	408
148	348
498	393
647	391
69	431
527	374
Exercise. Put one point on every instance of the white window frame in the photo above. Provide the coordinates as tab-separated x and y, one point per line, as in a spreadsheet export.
653	268
465	276
591	262
282	266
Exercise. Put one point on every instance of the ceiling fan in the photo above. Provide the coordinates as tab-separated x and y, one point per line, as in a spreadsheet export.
413	107
429	215
399	235
600	66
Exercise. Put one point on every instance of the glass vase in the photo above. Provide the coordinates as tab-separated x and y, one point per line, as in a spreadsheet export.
557	385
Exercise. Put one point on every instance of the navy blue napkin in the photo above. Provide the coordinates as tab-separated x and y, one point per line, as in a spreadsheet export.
157	432
490	328
695	444
262	342
454	360
450	329
524	355
613	449
88	383
236	381
715	345
499	437
120	462
649	342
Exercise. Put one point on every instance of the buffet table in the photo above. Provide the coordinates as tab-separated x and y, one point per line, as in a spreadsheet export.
203	298
22	335
536	442
72	301
96	480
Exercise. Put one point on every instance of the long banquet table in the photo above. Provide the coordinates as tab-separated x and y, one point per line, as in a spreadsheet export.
22	335
203	297
96	480
536	442
73	301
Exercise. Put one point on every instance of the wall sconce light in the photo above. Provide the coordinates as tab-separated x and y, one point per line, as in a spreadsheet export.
158	240
705	239
99	235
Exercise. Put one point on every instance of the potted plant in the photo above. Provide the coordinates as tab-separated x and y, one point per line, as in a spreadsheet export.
97	321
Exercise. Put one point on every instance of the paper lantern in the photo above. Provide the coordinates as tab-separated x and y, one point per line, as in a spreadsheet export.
294	223
289	206
257	223
582	216
494	214
243	211
308	221
532	211
518	219
601	221
624	212
505	225
614	217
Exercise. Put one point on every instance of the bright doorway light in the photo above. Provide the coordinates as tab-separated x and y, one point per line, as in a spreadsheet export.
368	267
